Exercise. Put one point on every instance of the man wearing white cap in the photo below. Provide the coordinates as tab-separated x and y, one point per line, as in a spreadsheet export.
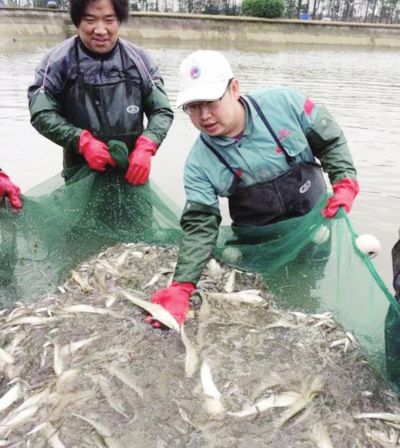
258	151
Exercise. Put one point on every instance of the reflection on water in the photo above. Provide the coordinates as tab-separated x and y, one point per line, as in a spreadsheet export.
361	88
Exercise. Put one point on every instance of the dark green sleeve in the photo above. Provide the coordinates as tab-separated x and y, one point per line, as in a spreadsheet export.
396	268
329	145
158	112
200	224
46	118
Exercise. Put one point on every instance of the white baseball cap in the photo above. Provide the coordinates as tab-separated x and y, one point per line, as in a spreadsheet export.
203	76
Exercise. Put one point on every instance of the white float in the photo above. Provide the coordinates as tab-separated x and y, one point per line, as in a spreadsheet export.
231	255
321	235
368	245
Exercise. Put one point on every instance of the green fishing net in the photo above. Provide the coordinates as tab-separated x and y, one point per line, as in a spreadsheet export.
71	222
309	264
312	264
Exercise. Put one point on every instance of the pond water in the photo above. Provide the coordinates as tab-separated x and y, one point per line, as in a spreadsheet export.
360	87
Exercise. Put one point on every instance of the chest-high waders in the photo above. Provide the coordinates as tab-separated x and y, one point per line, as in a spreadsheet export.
291	194
112	110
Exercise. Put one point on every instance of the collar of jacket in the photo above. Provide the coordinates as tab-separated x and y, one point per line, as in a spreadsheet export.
94	55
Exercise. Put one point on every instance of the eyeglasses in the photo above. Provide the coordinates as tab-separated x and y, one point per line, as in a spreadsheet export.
197	108
193	109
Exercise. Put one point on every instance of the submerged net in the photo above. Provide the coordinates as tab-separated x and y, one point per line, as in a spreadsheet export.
308	263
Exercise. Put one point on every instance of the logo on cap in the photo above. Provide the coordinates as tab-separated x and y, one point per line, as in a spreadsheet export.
195	72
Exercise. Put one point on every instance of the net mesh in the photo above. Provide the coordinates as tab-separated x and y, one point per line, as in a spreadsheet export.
310	264
61	225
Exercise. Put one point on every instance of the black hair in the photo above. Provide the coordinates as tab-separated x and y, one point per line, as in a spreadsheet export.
77	9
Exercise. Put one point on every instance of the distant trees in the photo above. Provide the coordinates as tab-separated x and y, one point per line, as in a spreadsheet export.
367	11
373	11
263	8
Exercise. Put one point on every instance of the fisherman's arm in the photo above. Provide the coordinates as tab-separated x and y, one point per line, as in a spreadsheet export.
158	112
200	224
329	145
156	104
47	119
159	119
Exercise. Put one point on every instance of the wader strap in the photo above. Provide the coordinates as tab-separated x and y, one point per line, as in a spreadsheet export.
290	160
221	159
78	63
127	76
80	82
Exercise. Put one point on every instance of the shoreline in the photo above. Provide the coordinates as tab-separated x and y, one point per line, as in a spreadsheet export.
234	32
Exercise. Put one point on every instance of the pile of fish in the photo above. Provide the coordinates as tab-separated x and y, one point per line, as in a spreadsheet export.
81	367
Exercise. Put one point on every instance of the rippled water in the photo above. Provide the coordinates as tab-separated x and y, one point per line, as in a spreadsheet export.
361	88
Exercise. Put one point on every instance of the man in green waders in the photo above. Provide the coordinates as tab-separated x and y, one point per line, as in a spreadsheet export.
90	96
257	150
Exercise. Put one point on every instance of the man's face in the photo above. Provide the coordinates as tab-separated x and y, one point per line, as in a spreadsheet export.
99	26
223	117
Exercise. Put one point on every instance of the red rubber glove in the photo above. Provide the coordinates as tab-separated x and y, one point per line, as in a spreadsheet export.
95	152
140	161
7	188
174	299
344	193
